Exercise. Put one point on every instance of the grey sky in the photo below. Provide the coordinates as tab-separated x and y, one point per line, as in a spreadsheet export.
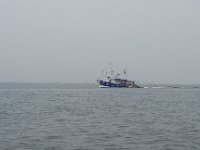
72	40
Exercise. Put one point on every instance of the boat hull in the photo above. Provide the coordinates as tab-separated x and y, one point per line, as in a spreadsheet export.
117	84
108	84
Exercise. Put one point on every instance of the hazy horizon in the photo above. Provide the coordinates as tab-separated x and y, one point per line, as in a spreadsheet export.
72	41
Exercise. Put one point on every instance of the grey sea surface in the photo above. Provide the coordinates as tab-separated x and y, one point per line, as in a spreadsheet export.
85	117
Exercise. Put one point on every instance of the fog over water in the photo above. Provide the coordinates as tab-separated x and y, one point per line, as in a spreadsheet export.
71	41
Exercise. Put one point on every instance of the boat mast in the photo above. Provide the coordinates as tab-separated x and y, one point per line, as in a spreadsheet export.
125	73
111	71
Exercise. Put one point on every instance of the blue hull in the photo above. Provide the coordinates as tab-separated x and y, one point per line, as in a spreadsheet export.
109	84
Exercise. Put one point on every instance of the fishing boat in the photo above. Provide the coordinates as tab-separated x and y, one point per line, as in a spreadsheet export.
110	79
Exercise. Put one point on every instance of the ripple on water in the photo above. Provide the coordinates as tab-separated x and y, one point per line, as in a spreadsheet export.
49	117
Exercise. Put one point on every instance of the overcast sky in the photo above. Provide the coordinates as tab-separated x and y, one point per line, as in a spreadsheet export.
73	40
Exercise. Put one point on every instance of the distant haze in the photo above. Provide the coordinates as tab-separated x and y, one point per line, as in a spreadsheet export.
73	40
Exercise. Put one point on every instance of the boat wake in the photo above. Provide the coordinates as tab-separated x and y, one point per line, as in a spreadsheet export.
154	87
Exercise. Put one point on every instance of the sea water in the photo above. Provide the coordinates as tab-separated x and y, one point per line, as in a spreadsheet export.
85	117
